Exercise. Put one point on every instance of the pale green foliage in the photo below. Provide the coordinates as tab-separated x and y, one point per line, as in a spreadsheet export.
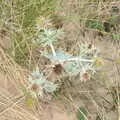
87	52
84	63
116	36
60	55
37	77
71	67
48	36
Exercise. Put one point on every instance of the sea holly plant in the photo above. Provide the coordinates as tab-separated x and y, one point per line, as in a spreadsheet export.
85	63
39	85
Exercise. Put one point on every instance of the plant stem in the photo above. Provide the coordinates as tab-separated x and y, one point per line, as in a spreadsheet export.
53	50
77	58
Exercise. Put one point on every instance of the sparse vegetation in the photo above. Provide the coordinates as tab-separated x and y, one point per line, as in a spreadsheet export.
59	55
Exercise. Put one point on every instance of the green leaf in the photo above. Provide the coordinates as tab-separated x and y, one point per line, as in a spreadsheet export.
36	77
116	36
94	24
71	67
113	19
60	55
49	36
81	113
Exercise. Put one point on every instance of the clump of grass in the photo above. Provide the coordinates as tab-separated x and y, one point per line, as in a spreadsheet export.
82	113
20	18
115	92
95	25
33	9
